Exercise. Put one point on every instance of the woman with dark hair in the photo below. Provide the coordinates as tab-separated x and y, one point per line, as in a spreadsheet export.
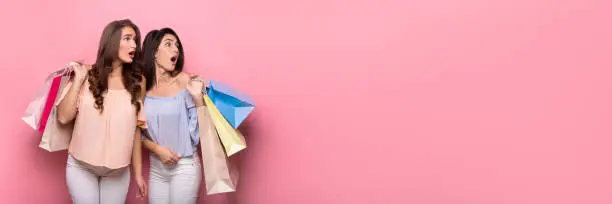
105	102
171	105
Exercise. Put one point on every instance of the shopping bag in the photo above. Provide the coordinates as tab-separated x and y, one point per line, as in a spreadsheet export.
217	175
35	109
56	136
53	91
233	141
234	105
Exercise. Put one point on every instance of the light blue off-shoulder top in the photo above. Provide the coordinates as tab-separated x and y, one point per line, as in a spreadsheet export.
173	122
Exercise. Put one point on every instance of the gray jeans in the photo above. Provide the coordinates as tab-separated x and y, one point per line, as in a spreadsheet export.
96	185
177	184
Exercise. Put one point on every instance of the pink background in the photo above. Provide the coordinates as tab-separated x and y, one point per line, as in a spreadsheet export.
379	101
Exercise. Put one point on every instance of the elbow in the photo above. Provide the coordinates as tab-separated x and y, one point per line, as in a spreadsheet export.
62	119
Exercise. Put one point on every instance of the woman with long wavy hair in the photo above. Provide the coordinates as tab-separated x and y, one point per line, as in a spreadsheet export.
104	100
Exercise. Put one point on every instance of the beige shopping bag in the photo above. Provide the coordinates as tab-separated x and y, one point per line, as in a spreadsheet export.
56	136
217	170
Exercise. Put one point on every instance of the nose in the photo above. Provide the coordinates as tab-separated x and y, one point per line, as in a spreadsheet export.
133	44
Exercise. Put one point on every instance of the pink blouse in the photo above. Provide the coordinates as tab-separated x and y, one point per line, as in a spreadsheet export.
104	139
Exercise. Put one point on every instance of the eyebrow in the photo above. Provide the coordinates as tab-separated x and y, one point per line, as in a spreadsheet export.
127	35
168	39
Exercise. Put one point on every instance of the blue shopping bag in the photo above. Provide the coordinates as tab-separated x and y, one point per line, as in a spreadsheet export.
234	105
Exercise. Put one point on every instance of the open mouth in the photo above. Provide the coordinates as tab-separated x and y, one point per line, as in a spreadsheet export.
132	54
173	59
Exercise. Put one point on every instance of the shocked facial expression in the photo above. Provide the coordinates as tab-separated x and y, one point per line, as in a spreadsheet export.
127	46
167	53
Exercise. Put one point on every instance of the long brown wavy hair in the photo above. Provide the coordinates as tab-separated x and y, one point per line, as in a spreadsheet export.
108	50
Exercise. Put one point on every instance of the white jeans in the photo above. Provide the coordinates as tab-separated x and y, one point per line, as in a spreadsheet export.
96	185
177	184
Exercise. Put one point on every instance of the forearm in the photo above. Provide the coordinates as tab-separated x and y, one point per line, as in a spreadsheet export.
198	100
137	154
150	145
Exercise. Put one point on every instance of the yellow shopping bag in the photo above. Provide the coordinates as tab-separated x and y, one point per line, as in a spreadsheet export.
232	140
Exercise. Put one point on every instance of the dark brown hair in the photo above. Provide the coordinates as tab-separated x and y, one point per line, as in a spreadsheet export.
108	50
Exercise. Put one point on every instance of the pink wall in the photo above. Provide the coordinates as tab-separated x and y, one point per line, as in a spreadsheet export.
386	101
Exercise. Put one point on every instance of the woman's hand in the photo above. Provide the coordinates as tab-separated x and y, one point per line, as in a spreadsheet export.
195	86
142	187
167	156
80	71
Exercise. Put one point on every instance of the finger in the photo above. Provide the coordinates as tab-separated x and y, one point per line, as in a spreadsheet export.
145	190
74	63
79	61
198	84
197	79
72	66
171	157
175	155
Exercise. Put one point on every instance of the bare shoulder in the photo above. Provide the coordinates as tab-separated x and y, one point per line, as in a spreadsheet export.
183	78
